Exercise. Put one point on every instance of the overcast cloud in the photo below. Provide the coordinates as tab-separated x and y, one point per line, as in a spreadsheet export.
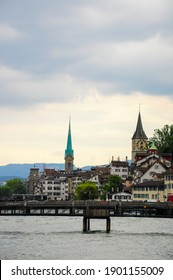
66	53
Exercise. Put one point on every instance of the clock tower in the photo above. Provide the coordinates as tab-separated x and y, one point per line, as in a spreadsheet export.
139	139
69	154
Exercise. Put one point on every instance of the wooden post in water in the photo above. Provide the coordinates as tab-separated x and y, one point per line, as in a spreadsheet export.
88	224
85	224
96	214
108	225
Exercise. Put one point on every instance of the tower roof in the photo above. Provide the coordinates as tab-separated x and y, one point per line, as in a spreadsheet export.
139	133
152	146
69	150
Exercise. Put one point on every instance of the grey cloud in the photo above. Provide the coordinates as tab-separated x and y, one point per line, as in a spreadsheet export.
19	89
110	45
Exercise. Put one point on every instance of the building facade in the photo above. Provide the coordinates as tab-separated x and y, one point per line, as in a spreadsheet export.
168	182
120	168
54	184
33	181
152	191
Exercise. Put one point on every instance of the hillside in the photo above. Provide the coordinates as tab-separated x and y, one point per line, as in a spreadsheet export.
21	170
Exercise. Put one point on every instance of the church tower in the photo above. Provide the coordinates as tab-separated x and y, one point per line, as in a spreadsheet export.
69	155
139	139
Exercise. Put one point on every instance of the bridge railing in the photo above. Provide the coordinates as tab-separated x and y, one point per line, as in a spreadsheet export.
88	203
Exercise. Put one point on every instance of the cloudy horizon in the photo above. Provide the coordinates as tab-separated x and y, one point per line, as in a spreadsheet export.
93	60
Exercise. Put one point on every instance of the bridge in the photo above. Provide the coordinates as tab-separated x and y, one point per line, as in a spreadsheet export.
78	208
87	209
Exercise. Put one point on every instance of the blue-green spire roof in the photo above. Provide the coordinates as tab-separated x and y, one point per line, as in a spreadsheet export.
69	150
153	146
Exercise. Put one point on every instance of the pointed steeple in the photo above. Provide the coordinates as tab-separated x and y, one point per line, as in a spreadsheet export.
139	133
69	155
139	140
69	150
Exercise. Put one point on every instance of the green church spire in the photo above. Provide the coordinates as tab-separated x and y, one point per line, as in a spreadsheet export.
69	150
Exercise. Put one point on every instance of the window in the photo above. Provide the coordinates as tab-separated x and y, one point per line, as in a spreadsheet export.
57	188
142	195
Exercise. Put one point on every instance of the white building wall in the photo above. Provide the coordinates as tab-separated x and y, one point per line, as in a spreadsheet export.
156	168
95	179
120	171
55	189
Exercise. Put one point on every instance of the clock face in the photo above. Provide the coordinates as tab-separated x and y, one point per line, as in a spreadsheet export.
139	145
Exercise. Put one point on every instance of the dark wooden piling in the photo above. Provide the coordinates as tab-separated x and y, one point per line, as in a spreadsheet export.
96	214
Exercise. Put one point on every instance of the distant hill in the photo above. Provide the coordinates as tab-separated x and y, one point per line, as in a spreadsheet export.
21	170
6	178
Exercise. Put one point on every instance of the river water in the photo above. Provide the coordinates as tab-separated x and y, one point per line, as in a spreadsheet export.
62	238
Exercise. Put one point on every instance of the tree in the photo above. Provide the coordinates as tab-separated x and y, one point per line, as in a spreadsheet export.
87	190
104	190
13	186
163	139
113	184
5	191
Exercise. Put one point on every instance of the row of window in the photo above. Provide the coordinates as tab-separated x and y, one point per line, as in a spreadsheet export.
122	197
154	196
139	189
146	196
54	182
56	194
140	195
169	177
121	170
77	179
53	188
169	186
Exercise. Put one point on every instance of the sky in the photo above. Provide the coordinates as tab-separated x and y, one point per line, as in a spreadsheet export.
97	61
